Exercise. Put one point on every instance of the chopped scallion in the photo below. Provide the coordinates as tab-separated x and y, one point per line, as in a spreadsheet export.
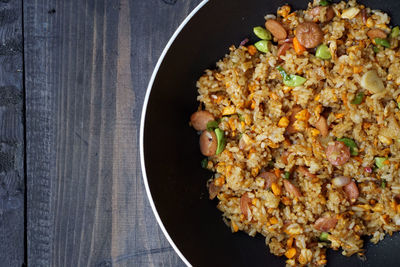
221	140
211	125
351	144
324	237
358	99
291	80
380	161
382	42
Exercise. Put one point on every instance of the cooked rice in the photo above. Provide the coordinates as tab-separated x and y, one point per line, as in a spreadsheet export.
252	87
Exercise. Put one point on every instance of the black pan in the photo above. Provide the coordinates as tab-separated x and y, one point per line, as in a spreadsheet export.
170	152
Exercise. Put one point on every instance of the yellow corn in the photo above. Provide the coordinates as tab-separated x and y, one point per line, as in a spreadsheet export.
286	201
253	104
220	181
339	115
272	144
252	50
235	227
290	253
255	171
378	208
317	98
228	110
276	189
273	220
302	115
254	201
398	208
357	69
315	132
283	122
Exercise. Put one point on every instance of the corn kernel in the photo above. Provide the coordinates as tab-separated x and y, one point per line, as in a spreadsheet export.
253	104
252	50
318	97
286	201
283	122
378	208
315	132
220	181
273	220
398	208
276	189
255	171
302	115
234	227
272	144
228	110
290	253
254	201
357	69
339	115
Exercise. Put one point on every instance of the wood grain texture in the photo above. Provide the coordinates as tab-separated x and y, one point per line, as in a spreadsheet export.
11	135
87	66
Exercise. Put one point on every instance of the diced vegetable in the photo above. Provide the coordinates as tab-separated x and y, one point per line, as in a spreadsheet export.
291	80
211	125
287	175
262	33
375	49
358	99
324	236
382	42
351	144
298	48
380	161
323	52
263	46
324	2
220	139
395	32
372	82
204	163
383	183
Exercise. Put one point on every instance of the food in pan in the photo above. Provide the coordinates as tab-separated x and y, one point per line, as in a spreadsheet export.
301	130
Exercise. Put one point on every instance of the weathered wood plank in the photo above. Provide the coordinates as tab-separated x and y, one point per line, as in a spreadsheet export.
87	68
11	135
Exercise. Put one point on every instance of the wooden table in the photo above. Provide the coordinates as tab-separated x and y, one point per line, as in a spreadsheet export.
73	78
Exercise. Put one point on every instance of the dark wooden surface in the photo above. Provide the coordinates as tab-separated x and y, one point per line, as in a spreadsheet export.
11	135
87	65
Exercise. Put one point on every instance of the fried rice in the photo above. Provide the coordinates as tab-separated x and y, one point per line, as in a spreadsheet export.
316	165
